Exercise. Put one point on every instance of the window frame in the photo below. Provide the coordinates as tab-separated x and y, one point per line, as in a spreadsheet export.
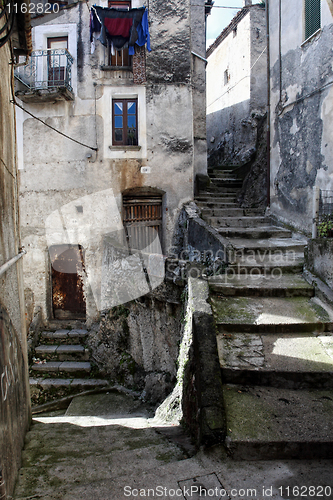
124	141
311	25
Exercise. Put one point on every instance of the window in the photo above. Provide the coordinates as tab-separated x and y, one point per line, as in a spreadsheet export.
125	122
226	77
312	17
119	58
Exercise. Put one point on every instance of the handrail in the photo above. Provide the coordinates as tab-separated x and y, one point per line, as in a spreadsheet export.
12	261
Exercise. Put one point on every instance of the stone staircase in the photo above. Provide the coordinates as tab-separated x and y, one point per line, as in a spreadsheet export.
61	362
274	336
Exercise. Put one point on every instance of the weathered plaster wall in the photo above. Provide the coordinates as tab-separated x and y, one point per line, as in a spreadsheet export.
56	171
14	389
136	344
301	116
236	89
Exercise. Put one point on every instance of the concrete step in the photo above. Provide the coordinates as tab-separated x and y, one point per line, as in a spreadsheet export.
62	366
260	285
271	315
291	361
77	383
65	352
65	336
254	233
242	222
274	423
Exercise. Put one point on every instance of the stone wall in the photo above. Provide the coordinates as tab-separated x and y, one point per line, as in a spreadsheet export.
137	343
14	388
319	259
301	112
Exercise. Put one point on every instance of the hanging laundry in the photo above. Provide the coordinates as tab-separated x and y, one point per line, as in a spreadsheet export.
122	28
118	27
143	33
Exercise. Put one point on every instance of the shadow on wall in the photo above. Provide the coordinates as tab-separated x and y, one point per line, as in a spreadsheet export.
231	134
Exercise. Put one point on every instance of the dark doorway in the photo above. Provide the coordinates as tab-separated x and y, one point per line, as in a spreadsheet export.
67	263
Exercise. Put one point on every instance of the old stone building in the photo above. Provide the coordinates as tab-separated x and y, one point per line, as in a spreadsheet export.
15	39
237	87
98	213
301	78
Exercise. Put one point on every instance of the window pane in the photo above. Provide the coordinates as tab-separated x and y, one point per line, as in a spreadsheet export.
131	121
118	108
118	134
131	108
118	122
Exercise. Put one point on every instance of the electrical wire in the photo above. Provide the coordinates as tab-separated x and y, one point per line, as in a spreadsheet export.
52	128
9	21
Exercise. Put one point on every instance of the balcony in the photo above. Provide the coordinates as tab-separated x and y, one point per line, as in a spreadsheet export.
46	78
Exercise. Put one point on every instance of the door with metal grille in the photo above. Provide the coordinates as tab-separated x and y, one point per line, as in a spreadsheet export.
142	217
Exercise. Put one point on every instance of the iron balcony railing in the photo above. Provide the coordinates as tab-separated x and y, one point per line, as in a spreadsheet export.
47	69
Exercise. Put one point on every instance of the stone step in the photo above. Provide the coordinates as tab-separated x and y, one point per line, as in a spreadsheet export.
254	233
62	367
69	324
221	191
276	423
271	315
293	361
207	198
222	212
269	246
242	222
268	269
77	383
65	336
65	352
226	183
224	174
260	285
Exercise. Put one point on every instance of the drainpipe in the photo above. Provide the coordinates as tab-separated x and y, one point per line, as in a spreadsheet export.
8	264
268	136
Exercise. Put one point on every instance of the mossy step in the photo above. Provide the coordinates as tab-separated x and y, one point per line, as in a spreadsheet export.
293	361
270	315
260	285
275	423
